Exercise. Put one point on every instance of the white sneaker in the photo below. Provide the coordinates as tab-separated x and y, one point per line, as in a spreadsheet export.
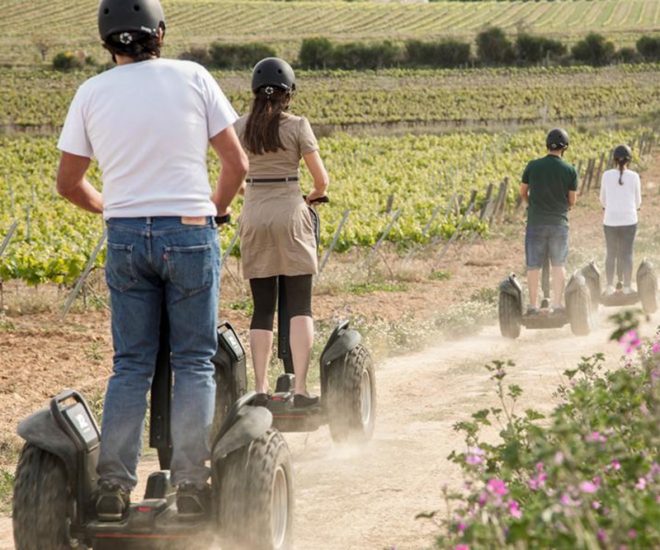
609	290
627	290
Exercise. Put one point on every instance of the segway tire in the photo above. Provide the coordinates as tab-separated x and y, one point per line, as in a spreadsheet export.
351	397
510	316
579	311
255	499
41	503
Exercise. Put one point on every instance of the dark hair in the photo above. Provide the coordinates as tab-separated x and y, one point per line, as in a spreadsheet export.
262	130
622	165
137	45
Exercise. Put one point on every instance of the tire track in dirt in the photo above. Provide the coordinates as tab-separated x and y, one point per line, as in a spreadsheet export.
367	497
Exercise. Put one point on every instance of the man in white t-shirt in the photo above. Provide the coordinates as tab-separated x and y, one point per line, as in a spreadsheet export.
149	121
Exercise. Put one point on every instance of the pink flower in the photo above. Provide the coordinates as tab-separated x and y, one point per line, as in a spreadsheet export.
460	527
615	465
655	348
514	509
595	505
602	535
536	482
588	487
559	458
630	341
596	437
475	456
567	501
632	534
483	498
461	547
497	487
641	484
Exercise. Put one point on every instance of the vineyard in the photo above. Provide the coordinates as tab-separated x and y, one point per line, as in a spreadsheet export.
191	22
420	174
39	98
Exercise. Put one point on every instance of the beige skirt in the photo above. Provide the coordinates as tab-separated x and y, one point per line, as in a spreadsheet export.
277	233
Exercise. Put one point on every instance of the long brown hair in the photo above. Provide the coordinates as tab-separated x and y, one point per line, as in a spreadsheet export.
262	130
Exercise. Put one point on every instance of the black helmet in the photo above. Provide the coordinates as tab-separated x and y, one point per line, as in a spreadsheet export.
622	152
557	139
273	71
117	16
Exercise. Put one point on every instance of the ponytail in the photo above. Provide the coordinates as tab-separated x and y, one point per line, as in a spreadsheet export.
622	166
262	130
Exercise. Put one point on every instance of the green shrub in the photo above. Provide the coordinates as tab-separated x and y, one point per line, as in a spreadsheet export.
494	48
358	55
628	55
449	53
238	56
594	50
315	53
649	48
67	61
198	55
531	50
588	476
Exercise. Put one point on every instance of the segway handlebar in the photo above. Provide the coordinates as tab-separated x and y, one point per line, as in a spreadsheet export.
223	220
318	200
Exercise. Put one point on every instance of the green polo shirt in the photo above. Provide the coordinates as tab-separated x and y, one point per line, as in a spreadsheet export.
550	179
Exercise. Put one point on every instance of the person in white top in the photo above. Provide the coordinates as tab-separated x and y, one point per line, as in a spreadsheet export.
149	122
621	198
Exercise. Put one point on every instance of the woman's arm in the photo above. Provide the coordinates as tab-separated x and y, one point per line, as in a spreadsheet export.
603	197
319	174
638	192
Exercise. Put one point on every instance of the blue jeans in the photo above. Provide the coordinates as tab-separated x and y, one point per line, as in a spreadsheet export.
151	262
543	241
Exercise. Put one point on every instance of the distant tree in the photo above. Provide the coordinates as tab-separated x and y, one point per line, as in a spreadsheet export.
628	55
594	50
448	53
315	53
532	50
238	56
494	48
649	48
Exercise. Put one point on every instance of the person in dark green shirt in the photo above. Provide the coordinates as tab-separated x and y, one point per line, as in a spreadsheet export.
549	187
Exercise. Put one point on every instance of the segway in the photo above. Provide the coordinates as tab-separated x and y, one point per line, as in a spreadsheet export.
578	312
647	288
251	475
348	384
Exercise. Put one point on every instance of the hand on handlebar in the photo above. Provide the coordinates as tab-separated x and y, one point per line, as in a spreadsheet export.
316	197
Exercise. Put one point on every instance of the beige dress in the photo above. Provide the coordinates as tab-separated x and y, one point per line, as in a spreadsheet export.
275	225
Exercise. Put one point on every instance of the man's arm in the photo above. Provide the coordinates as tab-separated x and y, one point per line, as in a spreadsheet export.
524	192
73	186
234	163
572	198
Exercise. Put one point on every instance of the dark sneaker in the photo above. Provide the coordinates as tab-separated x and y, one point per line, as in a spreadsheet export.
193	502
260	400
111	501
301	401
533	310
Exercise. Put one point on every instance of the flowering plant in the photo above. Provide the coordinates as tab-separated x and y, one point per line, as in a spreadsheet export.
587	476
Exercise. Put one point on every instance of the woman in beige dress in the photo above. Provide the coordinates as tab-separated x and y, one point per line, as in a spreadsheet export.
276	228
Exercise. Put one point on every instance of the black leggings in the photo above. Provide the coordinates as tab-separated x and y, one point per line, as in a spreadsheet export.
619	241
264	294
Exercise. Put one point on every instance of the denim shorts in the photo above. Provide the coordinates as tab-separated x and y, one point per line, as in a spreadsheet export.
546	241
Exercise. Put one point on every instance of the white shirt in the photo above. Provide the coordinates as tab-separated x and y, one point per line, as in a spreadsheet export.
620	202
148	124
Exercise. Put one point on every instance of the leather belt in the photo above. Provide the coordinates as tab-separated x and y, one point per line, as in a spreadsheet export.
286	179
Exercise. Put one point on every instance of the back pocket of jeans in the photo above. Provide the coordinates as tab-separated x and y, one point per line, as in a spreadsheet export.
119	271
189	267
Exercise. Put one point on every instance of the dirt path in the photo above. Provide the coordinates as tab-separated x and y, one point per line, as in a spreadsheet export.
367	497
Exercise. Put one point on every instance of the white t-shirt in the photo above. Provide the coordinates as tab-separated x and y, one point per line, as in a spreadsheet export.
620	202
148	124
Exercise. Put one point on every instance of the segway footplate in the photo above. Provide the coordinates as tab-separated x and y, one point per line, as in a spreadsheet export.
619	299
287	418
544	320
